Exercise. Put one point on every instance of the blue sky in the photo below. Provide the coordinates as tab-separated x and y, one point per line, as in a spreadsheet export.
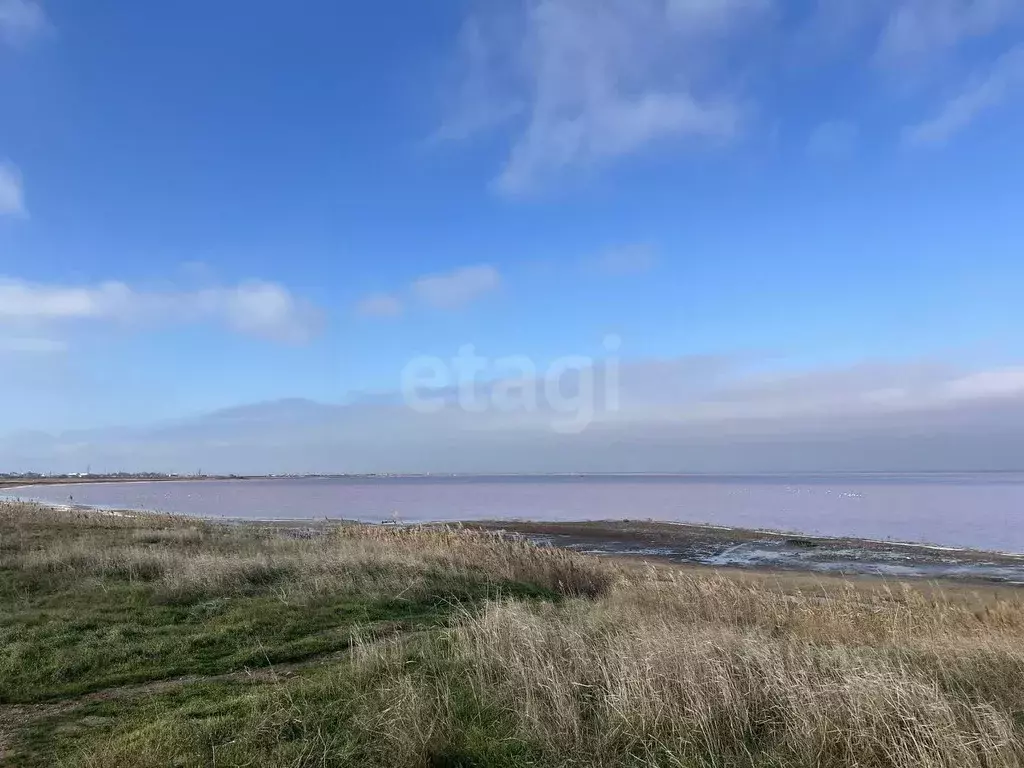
205	205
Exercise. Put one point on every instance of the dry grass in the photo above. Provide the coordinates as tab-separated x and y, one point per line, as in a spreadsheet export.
185	560
619	666
703	672
615	679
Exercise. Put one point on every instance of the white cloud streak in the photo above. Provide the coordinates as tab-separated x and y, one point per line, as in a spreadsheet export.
482	98
12	194
623	260
380	305
919	29
833	139
986	92
442	291
455	289
31	345
21	20
701	17
573	86
255	308
595	81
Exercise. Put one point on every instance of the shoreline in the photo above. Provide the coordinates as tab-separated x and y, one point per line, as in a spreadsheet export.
698	545
12	485
694	525
526	523
772	551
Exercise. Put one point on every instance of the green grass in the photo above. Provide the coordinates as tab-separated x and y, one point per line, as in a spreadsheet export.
150	641
95	611
102	634
318	718
84	621
70	637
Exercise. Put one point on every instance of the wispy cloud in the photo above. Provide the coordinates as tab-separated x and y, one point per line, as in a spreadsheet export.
922	29
21	20
574	86
28	301
255	308
12	194
832	139
622	260
32	345
985	92
484	94
937	41
455	289
441	291
703	17
596	81
380	305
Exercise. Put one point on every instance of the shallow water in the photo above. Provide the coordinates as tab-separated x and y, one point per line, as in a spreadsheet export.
984	511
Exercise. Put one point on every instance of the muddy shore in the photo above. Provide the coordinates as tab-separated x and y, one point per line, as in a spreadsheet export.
762	550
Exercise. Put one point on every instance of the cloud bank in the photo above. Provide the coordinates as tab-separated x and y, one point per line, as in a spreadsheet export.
701	414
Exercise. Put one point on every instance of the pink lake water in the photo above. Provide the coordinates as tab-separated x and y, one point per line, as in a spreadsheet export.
983	511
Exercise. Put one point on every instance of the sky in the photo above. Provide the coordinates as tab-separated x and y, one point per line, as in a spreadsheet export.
537	235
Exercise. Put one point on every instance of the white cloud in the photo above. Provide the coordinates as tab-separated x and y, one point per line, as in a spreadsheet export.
919	29
615	127
457	288
255	308
449	290
631	259
711	16
598	80
20	20
833	26
380	305
31	345
833	139
985	92
483	97
12	195
262	309
27	301
572	86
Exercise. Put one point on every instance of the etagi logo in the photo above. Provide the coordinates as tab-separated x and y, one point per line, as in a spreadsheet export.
572	389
